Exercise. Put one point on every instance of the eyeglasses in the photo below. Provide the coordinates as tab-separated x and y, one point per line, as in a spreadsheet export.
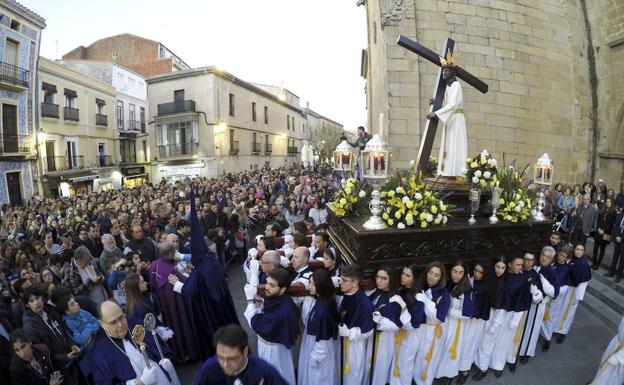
117	320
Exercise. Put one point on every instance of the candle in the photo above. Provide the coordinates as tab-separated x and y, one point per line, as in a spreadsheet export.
345	158
497	183
376	166
382	163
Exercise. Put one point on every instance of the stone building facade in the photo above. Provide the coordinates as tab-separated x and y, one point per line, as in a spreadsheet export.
541	69
20	36
143	56
207	121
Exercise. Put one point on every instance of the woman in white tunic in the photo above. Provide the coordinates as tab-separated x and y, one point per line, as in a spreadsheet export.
317	358
387	311
555	309
407	338
580	274
494	322
437	302
462	308
611	368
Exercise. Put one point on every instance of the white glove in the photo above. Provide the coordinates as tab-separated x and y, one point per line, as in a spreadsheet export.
254	266
534	290
314	363
430	310
455	313
165	333
514	322
166	364
250	291
252	253
377	317
397	299
343	331
613	361
148	377
336	281
284	262
421	297
492	329
258	237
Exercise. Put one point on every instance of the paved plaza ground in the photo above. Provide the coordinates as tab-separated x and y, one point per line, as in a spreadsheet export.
572	363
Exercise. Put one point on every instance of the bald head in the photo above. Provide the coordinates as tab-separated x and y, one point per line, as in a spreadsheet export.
270	261
112	319
300	257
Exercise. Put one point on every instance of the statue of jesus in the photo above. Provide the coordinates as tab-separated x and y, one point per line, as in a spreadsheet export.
454	143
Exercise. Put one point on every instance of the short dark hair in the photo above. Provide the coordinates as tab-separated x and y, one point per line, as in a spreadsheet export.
323	236
62	303
183	223
30	292
361	128
232	336
276	227
18	335
269	242
282	277
352	271
300	240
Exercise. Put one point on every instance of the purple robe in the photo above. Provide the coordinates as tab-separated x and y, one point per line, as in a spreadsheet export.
173	310
257	372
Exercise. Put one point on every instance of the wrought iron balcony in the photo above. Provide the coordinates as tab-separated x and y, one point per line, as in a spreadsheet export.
293	150
268	148
63	163
176	107
105	161
101	120
14	144
188	148
134	125
234	147
71	114
255	147
49	110
13	76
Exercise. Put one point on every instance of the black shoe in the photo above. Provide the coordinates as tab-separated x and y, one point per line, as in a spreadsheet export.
512	367
595	267
609	275
524	359
462	378
498	373
546	346
561	338
478	376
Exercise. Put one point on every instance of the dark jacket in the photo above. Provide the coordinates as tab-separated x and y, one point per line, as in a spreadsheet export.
59	342
95	246
606	220
145	247
617	226
24	374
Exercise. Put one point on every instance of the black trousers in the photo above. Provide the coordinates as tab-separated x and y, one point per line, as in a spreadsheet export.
600	245
577	237
618	256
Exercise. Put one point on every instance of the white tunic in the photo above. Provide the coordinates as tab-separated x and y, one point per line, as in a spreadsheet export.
454	326
317	359
429	347
508	340
572	298
454	143
356	363
554	313
275	354
611	368
474	330
493	328
385	350
407	344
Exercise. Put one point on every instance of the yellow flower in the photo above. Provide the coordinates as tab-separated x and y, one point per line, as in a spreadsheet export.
483	160
391	193
428	194
340	212
474	165
482	182
409	217
410	204
385	216
443	207
501	201
343	201
423	216
438	220
390	222
382	194
401	190
512	205
423	224
354	199
348	191
468	160
434	209
397	215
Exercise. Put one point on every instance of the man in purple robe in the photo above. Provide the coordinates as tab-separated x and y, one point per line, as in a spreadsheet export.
233	364
174	312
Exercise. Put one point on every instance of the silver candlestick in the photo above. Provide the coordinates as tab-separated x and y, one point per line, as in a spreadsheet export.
376	207
495	202
475	196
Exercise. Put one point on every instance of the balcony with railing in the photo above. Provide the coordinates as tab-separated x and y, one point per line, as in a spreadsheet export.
177	149
268	148
292	150
176	107
71	114
63	163
255	148
49	110
143	127
14	145
13	77
101	120
105	161
234	147
134	125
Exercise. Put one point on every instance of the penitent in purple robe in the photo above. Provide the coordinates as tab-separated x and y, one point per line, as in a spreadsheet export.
174	312
256	372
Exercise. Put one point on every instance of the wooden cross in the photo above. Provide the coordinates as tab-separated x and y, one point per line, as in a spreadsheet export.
426	143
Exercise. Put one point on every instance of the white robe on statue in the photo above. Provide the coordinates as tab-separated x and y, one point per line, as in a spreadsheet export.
454	144
611	368
406	345
554	313
312	351
572	298
454	327
275	354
